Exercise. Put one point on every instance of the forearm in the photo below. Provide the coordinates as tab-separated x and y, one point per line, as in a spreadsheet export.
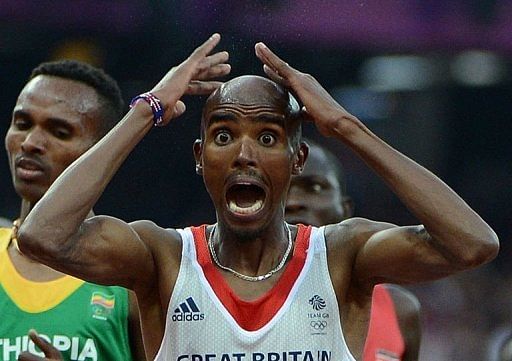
78	188
453	226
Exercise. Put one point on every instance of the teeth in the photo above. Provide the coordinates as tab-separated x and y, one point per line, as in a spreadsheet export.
246	210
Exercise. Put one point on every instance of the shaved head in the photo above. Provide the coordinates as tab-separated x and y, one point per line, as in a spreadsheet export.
253	91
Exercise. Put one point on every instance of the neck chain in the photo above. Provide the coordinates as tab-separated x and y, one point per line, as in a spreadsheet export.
251	278
14	235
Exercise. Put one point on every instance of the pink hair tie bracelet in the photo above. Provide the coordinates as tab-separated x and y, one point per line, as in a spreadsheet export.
154	103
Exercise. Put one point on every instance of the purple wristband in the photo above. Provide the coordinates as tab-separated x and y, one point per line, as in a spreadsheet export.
154	103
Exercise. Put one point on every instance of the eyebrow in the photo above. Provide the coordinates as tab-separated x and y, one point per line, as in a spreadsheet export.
312	178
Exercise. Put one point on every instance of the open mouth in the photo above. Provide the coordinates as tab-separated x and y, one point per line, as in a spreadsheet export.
245	198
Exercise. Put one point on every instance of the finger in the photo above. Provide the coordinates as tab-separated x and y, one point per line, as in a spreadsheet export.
268	57
205	48
44	345
305	115
179	109
216	71
27	356
202	87
212	60
274	76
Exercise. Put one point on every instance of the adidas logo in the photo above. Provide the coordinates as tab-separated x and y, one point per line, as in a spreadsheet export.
187	311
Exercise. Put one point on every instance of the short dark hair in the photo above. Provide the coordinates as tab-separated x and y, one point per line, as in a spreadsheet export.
333	161
110	98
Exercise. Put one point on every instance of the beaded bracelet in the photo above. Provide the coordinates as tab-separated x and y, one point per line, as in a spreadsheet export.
154	103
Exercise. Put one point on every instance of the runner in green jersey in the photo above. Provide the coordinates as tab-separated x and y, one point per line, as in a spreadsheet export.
64	108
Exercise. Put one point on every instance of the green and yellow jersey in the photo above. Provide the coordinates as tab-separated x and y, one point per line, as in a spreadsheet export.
84	321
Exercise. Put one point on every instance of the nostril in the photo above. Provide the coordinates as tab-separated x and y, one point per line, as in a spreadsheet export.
246	155
32	147
293	206
34	142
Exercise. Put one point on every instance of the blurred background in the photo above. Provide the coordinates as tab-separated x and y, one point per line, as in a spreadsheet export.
431	77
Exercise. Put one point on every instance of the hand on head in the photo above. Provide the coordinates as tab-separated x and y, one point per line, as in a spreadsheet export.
194	76
318	105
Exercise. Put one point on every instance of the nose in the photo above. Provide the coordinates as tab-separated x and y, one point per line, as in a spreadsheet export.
295	200
34	142
246	154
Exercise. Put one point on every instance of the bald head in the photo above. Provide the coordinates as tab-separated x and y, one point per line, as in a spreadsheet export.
254	92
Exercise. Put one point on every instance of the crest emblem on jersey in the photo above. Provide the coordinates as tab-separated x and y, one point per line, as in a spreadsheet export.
317	302
385	355
102	305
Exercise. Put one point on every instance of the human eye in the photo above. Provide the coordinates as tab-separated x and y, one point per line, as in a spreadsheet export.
267	139
62	133
222	137
316	187
22	124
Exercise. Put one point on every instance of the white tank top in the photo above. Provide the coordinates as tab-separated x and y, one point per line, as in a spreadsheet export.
297	320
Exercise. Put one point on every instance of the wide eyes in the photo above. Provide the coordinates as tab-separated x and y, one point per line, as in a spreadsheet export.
267	139
223	138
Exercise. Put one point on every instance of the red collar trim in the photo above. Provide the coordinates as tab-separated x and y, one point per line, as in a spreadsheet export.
253	315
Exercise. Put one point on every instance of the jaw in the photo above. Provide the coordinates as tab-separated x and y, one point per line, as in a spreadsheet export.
30	192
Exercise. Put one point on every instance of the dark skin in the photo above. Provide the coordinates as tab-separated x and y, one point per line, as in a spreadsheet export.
316	197
108	250
53	123
50	352
246	141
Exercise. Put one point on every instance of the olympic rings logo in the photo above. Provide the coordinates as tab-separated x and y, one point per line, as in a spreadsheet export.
318	325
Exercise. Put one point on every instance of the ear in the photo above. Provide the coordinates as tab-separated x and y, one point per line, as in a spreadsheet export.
198	155
300	159
348	207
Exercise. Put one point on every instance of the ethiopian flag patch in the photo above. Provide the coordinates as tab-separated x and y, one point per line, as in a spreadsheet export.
102	305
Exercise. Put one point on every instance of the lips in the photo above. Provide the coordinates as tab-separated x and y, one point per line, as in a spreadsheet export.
245	196
28	168
294	219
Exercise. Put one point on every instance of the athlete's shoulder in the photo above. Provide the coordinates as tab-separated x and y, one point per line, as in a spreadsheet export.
354	229
353	232
149	231
165	244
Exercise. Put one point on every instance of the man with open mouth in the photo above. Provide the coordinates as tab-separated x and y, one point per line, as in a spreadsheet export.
252	287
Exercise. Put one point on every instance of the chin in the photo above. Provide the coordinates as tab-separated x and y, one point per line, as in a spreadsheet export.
245	233
30	193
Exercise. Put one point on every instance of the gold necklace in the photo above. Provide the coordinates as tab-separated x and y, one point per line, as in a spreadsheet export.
14	235
246	277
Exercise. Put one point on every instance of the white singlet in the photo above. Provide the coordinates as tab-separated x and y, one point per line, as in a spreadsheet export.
297	320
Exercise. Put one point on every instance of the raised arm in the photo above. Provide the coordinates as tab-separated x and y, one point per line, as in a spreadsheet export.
452	236
104	249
